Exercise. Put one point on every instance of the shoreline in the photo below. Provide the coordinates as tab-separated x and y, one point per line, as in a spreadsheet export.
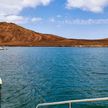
83	46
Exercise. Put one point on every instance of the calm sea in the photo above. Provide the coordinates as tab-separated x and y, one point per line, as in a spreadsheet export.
36	75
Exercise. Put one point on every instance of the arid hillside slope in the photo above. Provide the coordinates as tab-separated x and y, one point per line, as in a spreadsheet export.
15	35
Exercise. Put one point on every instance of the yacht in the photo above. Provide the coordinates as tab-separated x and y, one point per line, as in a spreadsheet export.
0	81
1	48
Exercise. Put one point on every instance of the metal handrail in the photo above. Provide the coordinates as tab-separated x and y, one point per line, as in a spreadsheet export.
72	101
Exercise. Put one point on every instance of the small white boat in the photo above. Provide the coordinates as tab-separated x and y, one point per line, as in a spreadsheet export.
0	81
1	48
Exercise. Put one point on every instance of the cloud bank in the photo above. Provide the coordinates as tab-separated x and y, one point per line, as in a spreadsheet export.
15	6
86	21
9	9
95	6
77	21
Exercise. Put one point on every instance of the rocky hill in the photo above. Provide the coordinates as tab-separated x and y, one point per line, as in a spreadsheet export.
14	35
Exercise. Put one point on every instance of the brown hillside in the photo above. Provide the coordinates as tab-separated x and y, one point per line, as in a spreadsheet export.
14	35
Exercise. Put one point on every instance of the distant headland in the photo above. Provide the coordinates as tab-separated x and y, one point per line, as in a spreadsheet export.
15	35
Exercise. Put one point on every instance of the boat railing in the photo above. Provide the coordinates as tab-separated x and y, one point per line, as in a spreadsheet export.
70	102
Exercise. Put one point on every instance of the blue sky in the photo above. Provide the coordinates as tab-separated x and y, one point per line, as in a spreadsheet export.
68	18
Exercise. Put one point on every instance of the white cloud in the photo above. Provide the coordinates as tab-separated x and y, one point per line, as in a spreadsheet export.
34	3
10	9
52	20
36	19
86	21
79	21
20	19
12	18
88	5
15	6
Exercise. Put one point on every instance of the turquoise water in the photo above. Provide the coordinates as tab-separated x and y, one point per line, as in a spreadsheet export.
36	75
